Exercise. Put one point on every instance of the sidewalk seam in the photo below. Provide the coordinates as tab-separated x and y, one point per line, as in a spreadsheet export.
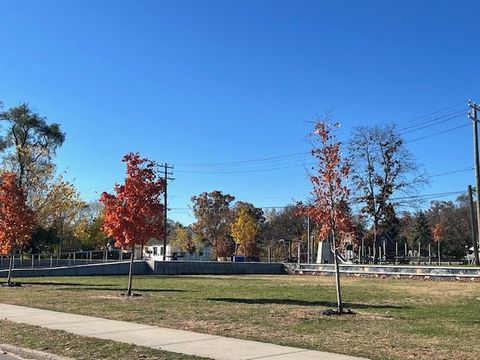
285	353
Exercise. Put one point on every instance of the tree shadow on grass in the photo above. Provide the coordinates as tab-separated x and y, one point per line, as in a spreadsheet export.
121	288
73	286
59	283
330	304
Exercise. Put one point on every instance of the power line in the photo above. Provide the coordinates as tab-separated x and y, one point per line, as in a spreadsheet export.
437	122
244	171
437	133
434	112
451	172
457	112
425	196
296	156
246	161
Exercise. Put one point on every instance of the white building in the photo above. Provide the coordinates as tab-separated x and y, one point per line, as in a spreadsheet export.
154	251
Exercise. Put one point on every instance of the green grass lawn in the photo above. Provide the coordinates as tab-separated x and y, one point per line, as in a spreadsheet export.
78	347
396	319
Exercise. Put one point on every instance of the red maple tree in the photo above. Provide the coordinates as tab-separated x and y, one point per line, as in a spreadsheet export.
329	208
16	218
135	213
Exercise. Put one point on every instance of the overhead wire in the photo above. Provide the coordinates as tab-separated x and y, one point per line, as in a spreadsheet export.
437	133
298	159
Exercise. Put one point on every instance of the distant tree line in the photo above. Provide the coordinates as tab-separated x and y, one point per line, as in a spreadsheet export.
383	179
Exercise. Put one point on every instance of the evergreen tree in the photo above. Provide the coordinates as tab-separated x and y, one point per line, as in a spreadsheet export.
421	231
390	224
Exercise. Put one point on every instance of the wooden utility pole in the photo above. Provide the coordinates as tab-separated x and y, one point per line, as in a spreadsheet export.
166	177
474	108
474	232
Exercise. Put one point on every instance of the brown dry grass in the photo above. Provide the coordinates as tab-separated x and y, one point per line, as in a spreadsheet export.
396	319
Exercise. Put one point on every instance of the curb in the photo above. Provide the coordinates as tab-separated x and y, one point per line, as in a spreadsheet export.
31	354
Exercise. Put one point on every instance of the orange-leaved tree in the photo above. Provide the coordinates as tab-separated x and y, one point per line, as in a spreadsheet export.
329	207
16	218
437	233
134	214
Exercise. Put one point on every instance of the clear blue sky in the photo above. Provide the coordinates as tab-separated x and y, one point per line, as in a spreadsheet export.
225	81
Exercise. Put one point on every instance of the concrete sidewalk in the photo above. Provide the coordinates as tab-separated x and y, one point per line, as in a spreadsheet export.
179	341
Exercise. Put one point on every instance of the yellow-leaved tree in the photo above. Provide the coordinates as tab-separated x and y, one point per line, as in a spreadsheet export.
184	239
244	231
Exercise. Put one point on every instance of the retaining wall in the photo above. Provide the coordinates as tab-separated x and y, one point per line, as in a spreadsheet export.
215	268
434	272
140	267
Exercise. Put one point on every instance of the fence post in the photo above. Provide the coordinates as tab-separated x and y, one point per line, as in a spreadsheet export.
362	258
33	260
429	254
419	252
51	260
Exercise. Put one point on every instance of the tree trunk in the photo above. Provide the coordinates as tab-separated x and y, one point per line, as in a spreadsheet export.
130	272
10	267
375	229
337	275
337	283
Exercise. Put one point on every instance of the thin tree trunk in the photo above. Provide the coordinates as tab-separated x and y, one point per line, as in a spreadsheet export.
10	267
375	229
130	272
337	283
337	275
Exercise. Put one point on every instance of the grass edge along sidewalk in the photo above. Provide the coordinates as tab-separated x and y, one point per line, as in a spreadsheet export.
178	341
30	339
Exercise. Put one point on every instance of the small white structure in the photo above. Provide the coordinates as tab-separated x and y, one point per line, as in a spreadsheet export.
324	254
470	257
155	252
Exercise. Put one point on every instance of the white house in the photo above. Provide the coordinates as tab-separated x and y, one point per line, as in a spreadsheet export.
154	251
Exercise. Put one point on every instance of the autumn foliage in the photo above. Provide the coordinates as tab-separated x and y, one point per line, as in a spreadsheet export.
16	218
244	231
214	216
437	232
135	213
329	207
